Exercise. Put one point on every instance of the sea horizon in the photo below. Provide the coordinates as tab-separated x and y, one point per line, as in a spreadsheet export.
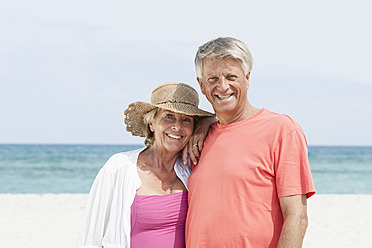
71	168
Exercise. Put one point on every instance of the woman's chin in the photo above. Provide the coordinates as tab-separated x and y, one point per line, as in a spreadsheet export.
174	148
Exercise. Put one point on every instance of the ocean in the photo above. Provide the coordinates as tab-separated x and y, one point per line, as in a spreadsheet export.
72	168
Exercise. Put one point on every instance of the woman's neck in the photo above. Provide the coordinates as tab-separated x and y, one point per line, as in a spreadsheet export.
160	159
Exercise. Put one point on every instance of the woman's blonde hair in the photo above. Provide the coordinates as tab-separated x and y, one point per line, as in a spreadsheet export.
147	118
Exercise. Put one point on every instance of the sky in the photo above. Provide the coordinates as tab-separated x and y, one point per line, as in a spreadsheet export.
68	69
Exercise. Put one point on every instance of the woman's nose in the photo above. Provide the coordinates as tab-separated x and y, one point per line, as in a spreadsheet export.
177	124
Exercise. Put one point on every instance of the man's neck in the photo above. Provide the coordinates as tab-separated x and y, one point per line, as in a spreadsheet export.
247	112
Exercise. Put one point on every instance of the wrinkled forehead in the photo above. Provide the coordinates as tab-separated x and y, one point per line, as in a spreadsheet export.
212	65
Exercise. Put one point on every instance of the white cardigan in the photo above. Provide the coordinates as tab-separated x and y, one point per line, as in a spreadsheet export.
107	220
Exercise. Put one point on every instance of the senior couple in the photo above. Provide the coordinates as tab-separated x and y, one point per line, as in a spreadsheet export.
248	189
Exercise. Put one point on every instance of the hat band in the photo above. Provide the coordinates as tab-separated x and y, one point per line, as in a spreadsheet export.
174	101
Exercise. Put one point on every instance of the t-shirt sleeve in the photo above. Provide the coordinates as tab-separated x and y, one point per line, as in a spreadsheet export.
292	169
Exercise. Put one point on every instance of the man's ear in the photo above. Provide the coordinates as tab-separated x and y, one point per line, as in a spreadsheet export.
247	77
201	85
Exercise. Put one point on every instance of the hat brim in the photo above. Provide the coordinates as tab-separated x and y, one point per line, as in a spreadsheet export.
135	111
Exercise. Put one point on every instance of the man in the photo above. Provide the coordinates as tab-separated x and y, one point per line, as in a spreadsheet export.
253	178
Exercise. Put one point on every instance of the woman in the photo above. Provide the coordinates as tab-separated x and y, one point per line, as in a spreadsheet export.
139	198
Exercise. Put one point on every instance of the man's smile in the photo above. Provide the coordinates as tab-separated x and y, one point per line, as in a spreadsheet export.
224	97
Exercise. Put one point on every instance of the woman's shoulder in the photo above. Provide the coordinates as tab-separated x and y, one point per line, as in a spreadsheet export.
122	160
183	171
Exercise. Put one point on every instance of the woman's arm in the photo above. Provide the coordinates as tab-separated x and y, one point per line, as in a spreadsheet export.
97	211
196	142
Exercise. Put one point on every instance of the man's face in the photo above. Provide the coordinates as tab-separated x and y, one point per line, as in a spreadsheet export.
225	86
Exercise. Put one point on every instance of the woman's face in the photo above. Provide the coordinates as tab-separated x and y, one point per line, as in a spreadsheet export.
171	130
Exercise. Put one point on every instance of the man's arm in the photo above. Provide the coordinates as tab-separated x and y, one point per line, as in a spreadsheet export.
294	209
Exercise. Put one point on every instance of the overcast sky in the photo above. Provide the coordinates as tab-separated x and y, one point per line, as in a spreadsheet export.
68	69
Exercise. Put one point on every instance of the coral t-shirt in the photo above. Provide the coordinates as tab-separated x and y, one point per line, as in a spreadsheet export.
243	170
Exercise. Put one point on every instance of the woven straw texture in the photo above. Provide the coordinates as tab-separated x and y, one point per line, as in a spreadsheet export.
172	96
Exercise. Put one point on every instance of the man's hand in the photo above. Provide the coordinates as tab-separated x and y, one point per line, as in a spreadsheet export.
196	142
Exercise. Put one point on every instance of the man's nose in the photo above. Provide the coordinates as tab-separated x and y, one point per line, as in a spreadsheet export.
224	85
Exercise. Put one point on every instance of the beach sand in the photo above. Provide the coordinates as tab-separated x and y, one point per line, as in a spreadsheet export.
54	220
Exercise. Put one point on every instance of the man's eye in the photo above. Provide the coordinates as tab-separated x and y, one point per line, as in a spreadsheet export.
169	116
212	79
187	120
232	77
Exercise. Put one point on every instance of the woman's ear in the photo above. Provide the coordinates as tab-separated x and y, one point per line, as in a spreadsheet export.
151	126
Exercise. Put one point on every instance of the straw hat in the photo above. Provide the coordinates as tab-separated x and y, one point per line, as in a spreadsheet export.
176	97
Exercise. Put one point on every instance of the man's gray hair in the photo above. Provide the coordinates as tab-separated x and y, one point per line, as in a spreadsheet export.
222	48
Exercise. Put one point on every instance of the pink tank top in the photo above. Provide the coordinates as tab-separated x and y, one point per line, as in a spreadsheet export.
158	221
